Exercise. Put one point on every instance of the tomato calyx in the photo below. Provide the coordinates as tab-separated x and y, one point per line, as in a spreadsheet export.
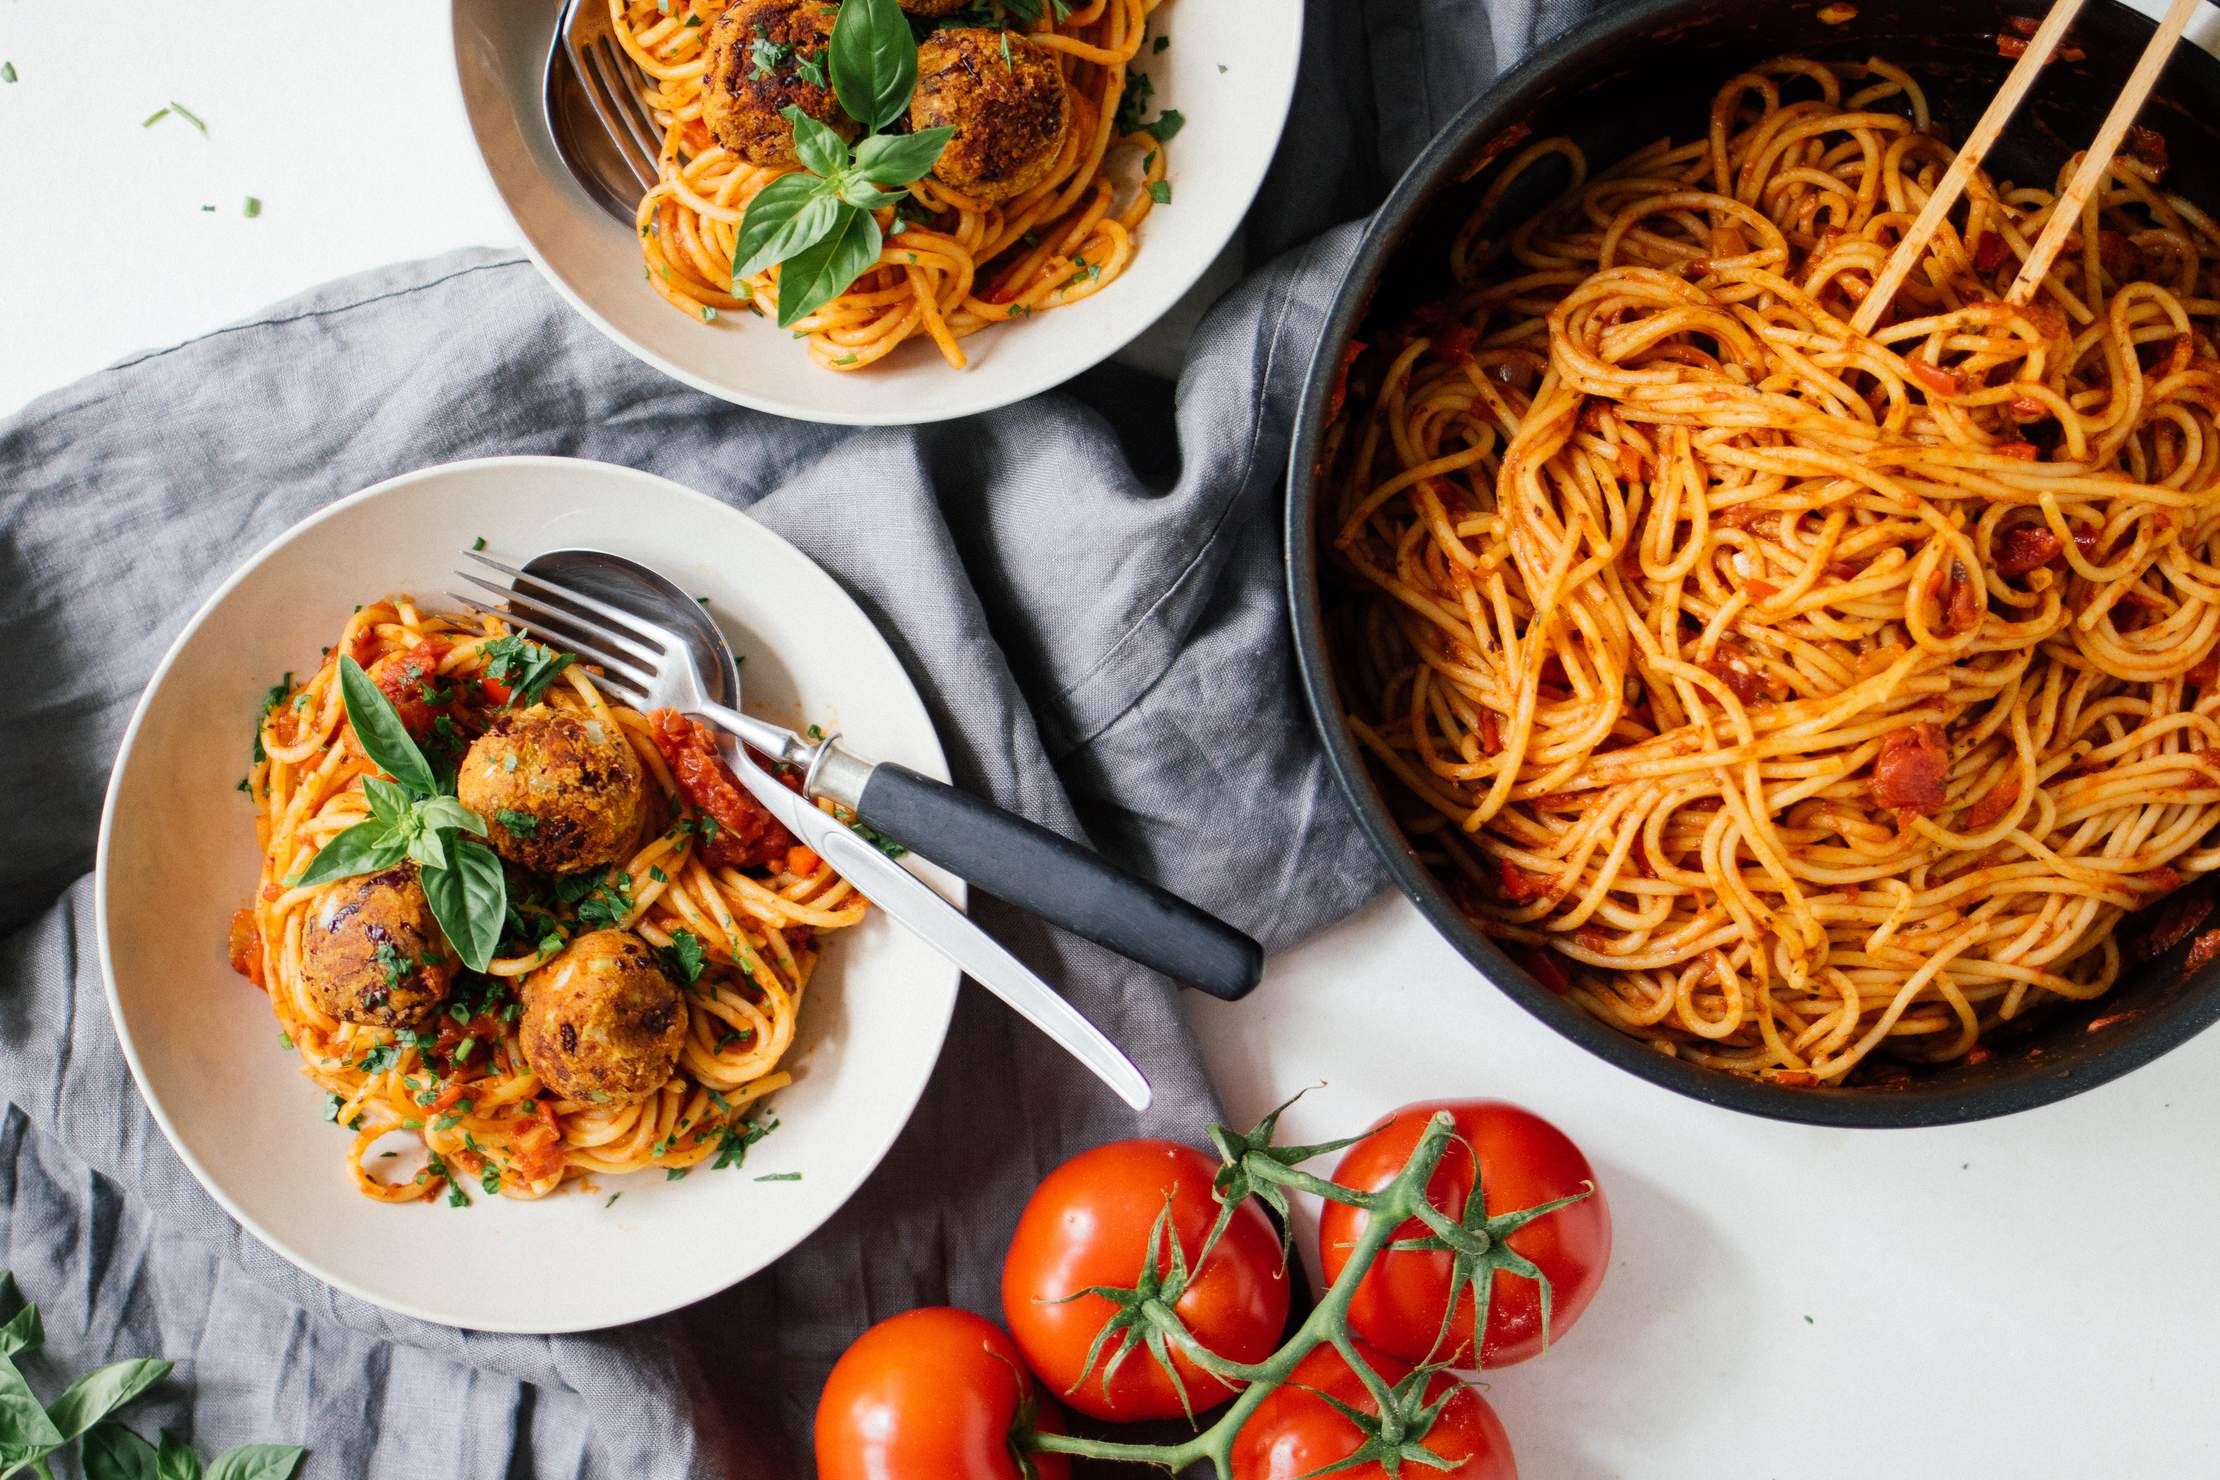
1395	1436
1254	1167
1478	1246
1144	1317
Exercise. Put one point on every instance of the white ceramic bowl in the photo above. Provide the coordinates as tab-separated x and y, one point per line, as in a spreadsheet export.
1230	70
177	856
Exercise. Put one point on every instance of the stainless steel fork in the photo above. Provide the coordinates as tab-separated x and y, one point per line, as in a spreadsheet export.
615	138
649	666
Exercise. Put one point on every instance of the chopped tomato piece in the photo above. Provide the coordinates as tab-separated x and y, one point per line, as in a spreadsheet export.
800	862
2024	451
1999	800
1909	773
1521	887
1937	379
745	835
246	946
2164	879
1988	251
2026	547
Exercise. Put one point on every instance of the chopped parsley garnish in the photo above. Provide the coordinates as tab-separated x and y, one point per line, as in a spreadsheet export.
490	1180
395	965
7	71
734	1141
523	666
684	958
608	904
333	1104
1165	125
253	207
286	1039
675	1174
523	824
811	70
464	1050
270	702
478	543
766	56
1133	102
612	1202
1160	191
380	1058
1160	44
780	1177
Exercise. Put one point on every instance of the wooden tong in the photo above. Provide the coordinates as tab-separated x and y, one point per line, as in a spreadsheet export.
2067	211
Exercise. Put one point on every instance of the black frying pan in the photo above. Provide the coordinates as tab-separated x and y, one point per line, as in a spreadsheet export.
1647	69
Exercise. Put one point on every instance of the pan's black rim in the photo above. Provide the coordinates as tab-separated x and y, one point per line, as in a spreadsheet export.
2128	1045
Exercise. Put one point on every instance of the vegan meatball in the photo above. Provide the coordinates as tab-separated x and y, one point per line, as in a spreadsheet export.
371	952
933	7
766	56
560	791
601	1022
1006	100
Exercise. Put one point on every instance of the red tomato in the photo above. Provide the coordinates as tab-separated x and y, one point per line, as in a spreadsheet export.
1525	1160
1296	1433
930	1395
1088	1224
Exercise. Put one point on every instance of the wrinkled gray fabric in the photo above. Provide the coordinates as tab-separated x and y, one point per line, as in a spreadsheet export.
1086	587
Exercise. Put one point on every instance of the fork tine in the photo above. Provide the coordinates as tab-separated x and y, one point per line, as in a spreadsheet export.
631	110
623	688
526	612
610	110
651	641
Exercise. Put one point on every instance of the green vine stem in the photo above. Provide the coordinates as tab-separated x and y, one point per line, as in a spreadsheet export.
1327	1324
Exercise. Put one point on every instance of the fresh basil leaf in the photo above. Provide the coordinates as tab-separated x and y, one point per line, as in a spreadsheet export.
897	159
101	1392
389	801
819	147
378	726
446	815
874	62
257	1462
176	1460
23	1332
362	849
813	276
113	1452
786	215
25	1428
867	197
470	899
428	848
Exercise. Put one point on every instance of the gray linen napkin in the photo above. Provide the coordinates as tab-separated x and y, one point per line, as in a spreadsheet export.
1086	588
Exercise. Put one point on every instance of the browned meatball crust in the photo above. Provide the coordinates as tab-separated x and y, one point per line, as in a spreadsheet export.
601	1023
1006	100
560	791
757	51
371	952
933	7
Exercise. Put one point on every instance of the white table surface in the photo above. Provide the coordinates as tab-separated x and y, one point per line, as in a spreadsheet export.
2034	1297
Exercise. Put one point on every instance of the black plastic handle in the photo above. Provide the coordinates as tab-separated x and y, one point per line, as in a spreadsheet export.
1049	875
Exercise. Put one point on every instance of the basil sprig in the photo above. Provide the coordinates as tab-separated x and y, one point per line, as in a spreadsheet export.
815	225
31	1432
414	816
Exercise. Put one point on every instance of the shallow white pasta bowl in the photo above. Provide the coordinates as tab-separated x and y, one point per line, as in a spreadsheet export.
178	855
1229	70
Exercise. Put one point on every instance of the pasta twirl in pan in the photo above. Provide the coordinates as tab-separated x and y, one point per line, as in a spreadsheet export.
1034	204
1806	703
643	931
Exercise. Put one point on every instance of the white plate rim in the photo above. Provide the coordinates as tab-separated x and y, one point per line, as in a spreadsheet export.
300	1259
901	412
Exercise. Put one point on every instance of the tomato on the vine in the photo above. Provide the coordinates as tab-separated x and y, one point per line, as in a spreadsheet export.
1296	1433
1094	1222
1523	1161
932	1394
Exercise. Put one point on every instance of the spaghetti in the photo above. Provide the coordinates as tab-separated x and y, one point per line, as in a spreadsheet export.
950	265
1794	700
463	1085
